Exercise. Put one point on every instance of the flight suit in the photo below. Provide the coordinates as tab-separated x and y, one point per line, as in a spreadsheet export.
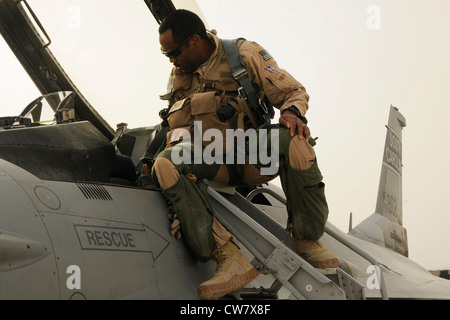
197	97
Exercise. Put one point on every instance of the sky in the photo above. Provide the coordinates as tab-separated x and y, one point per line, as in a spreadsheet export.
355	58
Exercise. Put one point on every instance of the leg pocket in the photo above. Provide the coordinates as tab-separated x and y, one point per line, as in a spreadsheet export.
306	202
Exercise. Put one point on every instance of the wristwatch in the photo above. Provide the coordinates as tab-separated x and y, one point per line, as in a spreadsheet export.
297	113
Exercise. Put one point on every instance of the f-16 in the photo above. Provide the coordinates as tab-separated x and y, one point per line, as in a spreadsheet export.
72	229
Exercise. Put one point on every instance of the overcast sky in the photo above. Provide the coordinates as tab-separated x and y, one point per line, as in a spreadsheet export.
356	58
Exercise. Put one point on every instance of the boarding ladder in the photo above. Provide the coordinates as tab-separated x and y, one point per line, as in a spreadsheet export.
270	244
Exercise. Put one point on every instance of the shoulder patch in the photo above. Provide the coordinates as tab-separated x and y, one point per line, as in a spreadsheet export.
265	54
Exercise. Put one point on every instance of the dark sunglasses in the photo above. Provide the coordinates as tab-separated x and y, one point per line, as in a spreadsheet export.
175	52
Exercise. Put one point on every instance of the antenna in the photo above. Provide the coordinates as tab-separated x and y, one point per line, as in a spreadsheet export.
350	223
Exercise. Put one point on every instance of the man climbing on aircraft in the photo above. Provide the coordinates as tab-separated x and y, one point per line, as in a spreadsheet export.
203	94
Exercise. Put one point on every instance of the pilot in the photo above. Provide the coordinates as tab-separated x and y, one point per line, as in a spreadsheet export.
200	86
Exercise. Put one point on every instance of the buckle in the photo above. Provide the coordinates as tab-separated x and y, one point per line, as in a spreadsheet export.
240	74
241	93
264	106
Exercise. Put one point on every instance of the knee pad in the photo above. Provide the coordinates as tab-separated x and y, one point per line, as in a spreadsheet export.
166	173
301	154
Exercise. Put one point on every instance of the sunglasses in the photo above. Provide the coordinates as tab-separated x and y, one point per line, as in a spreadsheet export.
175	52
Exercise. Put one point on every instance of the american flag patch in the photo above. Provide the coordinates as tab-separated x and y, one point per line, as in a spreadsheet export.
266	55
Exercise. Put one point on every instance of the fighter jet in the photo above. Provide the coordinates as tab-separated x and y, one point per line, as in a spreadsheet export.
73	227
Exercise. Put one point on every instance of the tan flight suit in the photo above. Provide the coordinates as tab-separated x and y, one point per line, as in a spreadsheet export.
198	97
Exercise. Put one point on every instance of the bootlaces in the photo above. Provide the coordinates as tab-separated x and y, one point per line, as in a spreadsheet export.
220	259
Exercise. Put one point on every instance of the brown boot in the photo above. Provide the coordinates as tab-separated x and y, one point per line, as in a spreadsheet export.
233	272
315	253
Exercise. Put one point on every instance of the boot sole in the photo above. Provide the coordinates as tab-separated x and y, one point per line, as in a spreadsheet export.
330	263
216	291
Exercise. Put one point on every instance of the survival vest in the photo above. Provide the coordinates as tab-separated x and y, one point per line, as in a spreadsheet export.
225	91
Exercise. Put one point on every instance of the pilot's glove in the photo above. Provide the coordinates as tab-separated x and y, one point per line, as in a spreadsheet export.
175	227
146	169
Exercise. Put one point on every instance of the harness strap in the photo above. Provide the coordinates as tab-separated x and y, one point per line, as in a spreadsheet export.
240	74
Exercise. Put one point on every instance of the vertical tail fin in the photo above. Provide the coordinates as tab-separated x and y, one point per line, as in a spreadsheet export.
385	226
389	201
